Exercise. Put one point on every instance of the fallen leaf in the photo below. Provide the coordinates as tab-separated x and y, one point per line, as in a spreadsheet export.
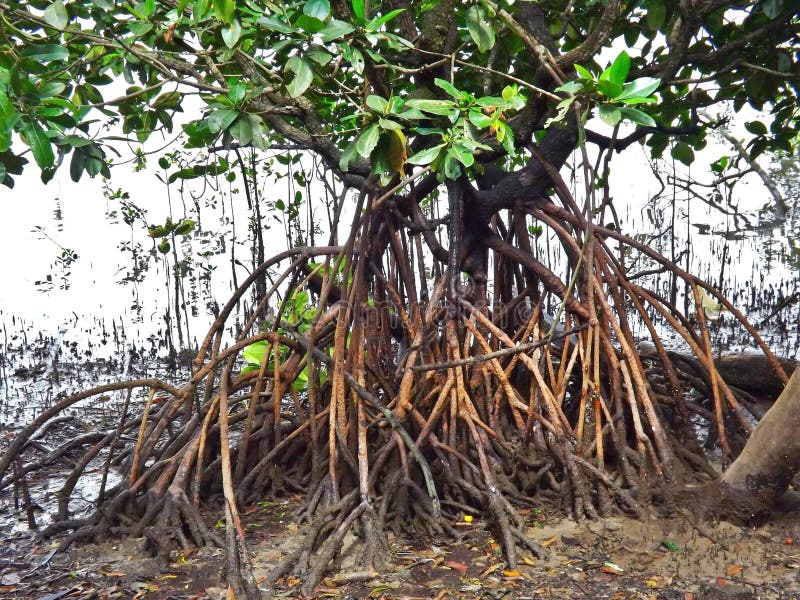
788	541
108	573
548	541
512	573
722	581
613	569
733	570
529	561
468	518
491	569
457	566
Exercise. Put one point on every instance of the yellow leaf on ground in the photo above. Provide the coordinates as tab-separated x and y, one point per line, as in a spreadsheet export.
491	569
548	541
512	573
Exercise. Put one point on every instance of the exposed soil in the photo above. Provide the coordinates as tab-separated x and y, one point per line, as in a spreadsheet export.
618	558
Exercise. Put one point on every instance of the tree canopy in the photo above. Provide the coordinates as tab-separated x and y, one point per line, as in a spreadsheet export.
321	74
411	373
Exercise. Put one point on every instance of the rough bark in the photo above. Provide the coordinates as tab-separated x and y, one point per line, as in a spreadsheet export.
764	469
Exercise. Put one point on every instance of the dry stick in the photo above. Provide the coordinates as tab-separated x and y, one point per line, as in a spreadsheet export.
584	353
250	477
337	417
662	353
642	441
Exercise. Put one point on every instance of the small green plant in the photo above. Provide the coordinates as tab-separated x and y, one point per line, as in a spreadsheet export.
299	313
466	117
614	98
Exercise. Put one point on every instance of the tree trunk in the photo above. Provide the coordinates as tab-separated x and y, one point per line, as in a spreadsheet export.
764	469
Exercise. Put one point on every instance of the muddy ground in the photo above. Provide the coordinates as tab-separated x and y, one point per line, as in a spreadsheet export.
618	558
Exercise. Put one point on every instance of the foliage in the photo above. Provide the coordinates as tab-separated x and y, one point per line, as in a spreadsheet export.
293	71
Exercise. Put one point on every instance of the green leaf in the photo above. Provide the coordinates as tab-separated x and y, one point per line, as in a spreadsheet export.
610	114
310	25
185	227
571	87
756	127
634	115
334	30
224	10
434	107
273	23
583	72
77	165
368	140
375	23
683	152
40	144
358	9
45	52
319	9
168	100
319	55
242	130
377	103
656	14
608	88
451	168
304	74
219	120
772	8
56	15
618	71
388	124
164	246
462	154
480	29
231	33
642	87
448	87
255	353
427	156
479	119
349	154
